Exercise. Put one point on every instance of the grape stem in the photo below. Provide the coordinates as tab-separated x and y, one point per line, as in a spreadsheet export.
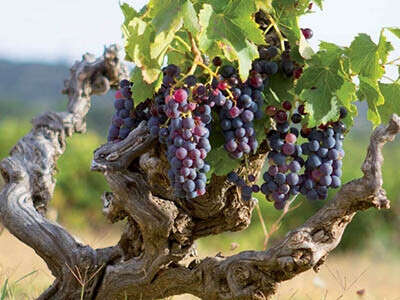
277	224
184	44
278	32
260	216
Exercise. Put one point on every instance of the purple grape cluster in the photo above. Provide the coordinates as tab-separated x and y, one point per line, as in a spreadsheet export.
122	121
246	190
319	158
127	116
268	63
282	178
239	105
323	167
180	121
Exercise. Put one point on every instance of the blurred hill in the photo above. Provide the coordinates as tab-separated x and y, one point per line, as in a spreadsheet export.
36	87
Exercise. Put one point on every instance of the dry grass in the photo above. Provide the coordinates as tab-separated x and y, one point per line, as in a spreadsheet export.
373	277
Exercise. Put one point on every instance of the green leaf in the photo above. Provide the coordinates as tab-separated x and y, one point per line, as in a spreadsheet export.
329	54
320	105
129	13
142	90
319	84
319	4
286	16
233	30
305	49
179	55
391	94
369	90
220	162
4	293
279	89
346	96
190	19
394	30
264	4
240	12
364	57
384	48
138	37
166	19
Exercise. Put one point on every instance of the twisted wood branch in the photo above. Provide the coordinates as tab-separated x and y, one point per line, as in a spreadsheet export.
160	230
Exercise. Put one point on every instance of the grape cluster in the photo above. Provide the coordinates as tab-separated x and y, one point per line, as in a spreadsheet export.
180	121
122	121
323	167
282	178
269	63
246	190
126	117
319	157
239	105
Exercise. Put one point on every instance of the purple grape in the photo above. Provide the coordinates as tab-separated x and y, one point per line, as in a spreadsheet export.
181	153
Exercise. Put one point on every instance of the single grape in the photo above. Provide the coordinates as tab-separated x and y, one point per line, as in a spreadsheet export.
281	116
307	32
288	149
290	138
270	110
287	105
217	61
292	179
227	71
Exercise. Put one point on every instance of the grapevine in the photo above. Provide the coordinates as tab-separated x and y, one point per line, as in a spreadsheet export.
207	105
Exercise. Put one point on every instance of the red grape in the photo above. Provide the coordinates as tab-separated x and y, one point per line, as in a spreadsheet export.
287	105
290	138
270	110
180	95
307	32
281	116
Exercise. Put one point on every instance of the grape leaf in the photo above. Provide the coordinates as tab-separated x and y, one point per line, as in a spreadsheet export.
166	19
369	90
384	48
179	55
391	94
319	83
320	105
142	90
286	16
265	5
394	30
319	4
220	162
305	49
329	54
346	96
190	19
234	31
364	57
138	37
129	13
279	89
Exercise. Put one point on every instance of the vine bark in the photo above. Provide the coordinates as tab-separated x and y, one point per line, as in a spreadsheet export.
160	231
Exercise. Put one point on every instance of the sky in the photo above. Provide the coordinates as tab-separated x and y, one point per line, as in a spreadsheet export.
62	30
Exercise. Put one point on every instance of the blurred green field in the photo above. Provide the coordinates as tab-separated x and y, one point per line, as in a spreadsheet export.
371	243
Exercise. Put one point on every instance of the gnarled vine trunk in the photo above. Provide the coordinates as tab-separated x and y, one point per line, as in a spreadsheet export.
161	229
